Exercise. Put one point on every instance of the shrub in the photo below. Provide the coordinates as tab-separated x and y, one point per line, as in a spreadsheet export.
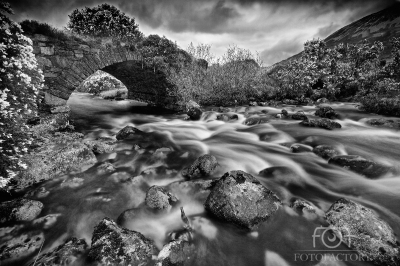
104	21
21	80
31	27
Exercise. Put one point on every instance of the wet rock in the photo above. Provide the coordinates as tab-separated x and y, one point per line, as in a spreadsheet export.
176	253
72	182
325	151
159	199
253	103
362	230
381	122
239	198
204	166
19	210
322	100
360	165
284	113
326	112
322	123
101	146
299	116
193	110
264	111
227	117
68	253
114	245
20	246
129	132
298	148
302	205
39	193
47	221
33	121
64	155
255	120
106	167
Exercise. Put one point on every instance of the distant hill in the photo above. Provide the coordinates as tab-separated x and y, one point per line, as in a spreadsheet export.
379	26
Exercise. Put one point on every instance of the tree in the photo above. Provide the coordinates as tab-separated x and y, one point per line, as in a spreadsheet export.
104	21
21	79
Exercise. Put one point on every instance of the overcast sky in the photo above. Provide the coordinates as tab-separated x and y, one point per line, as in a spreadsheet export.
276	29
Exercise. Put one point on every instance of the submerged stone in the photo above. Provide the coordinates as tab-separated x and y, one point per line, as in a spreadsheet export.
326	112
239	198
322	123
19	210
65	254
362	230
325	151
20	246
128	132
360	165
299	116
204	166
298	148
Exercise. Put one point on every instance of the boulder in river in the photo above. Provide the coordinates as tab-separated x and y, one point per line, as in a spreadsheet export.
387	123
114	245
193	110
299	115
360	165
129	132
325	151
255	120
322	123
19	210
204	166
326	112
65	254
239	198
362	230
298	148
227	117
159	199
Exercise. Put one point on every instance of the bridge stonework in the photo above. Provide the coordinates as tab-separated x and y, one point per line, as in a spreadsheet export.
66	63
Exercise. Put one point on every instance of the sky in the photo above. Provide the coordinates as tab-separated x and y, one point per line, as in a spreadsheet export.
276	29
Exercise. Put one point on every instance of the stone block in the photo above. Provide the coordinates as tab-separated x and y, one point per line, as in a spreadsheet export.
50	75
47	50
42	61
54	100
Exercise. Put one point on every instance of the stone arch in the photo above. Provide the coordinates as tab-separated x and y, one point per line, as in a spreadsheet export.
67	63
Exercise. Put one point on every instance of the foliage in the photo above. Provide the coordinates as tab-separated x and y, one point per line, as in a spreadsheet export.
21	79
231	79
98	82
31	27
104	21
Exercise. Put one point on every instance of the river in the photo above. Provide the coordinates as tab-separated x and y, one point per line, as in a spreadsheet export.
286	238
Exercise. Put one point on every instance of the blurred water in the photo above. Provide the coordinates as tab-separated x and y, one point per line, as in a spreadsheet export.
237	147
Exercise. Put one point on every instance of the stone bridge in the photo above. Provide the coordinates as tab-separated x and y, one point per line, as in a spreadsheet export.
66	63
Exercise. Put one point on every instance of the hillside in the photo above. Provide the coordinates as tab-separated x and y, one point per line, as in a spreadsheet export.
379	26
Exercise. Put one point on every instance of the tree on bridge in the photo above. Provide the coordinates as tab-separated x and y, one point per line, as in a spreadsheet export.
104	21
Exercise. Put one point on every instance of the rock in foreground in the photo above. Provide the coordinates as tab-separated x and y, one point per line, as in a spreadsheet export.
128	132
239	198
360	165
65	254
113	245
202	167
176	253
19	210
371	237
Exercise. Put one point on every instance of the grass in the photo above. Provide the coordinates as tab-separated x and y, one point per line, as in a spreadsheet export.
31	27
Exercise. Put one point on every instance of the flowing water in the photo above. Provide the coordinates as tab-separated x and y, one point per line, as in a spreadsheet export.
285	239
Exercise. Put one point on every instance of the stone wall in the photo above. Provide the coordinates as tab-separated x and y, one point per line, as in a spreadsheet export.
66	63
